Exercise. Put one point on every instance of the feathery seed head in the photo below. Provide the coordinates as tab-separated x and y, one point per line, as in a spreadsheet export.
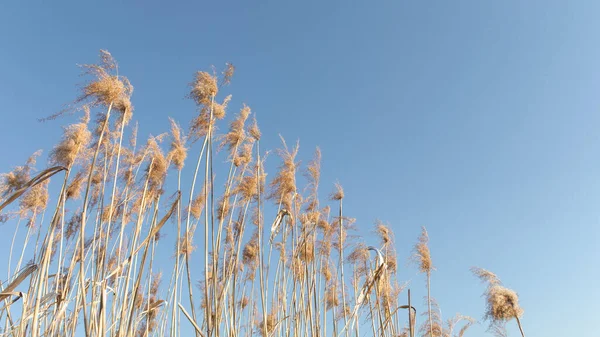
157	168
283	186
219	109
228	73
178	151
107	88
236	134
35	200
253	130
486	276
73	145
338	193
421	254
19	176
204	88
502	304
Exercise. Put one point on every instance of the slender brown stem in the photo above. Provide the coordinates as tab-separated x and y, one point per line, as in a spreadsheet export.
520	327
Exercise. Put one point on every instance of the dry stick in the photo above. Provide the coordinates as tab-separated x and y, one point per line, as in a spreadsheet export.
209	163
261	262
96	244
150	281
429	302
368	286
520	327
232	274
237	256
12	244
84	215
410	327
378	304
355	286
372	317
143	261
178	249
133	249
194	324
25	244
40	178
208	309
189	209
342	265
389	318
216	242
21	276
60	254
121	234
45	258
114	189
187	225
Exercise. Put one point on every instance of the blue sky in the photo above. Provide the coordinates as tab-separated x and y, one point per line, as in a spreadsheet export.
477	119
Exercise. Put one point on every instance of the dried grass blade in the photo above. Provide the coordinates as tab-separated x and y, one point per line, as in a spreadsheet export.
23	274
191	320
45	174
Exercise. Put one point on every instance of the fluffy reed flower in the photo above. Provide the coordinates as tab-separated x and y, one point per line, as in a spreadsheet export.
307	249
313	175
203	88
298	268
253	130
421	254
359	255
72	225
157	167
391	260
384	233
199	126
325	246
186	243
19	176
219	109
228	73
326	271
313	170
283	186
223	207
178	151
244	302
338	193
247	188
74	188
107	88
197	206
250	253
269	324
486	276
35	200
237	133
502	303
73	145
243	155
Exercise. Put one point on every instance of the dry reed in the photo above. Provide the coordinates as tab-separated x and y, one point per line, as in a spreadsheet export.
96	252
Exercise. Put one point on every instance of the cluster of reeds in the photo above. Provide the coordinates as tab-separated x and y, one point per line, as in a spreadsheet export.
249	256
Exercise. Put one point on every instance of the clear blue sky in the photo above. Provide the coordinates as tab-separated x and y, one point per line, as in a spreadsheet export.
477	119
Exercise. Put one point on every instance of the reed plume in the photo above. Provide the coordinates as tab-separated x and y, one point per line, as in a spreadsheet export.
502	304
